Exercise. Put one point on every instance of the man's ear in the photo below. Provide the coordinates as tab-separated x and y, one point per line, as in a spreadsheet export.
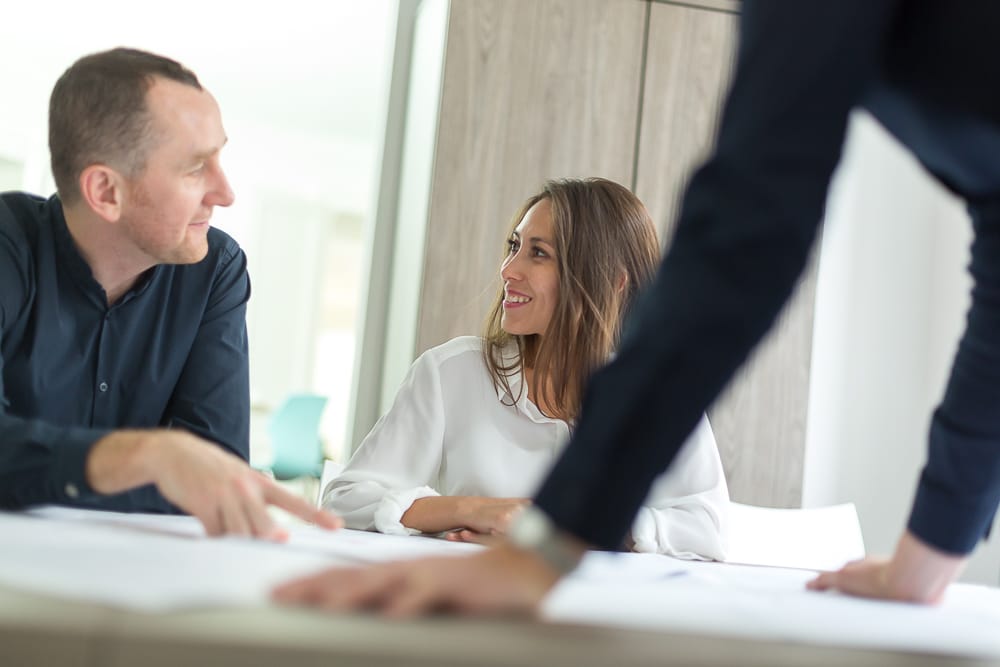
101	188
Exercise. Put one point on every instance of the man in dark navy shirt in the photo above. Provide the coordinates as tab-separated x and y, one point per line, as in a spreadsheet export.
929	70
123	347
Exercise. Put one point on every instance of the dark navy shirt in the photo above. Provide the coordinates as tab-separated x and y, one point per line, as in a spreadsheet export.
172	352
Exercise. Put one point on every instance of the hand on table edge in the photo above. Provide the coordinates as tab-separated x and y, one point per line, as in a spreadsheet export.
916	572
501	580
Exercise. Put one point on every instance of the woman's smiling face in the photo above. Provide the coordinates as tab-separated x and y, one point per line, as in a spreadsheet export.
530	273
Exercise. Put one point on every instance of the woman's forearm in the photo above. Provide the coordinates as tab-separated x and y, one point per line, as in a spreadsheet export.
434	514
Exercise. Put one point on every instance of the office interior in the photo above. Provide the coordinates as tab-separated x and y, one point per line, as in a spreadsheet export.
378	148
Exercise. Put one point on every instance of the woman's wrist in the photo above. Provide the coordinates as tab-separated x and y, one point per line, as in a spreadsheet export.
434	514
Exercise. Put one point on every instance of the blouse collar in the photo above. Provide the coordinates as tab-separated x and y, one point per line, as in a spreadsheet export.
518	394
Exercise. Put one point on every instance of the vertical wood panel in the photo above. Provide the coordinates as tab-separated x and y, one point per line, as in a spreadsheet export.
759	421
687	70
533	89
731	6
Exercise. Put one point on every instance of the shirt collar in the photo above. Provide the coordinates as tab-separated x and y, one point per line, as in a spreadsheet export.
515	379
518	394
70	258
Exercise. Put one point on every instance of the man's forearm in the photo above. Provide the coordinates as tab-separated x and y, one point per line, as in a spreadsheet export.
122	460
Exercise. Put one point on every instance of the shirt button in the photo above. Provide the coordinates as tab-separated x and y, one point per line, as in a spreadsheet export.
103	386
72	491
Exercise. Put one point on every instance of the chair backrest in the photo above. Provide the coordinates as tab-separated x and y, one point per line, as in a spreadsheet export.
818	538
295	442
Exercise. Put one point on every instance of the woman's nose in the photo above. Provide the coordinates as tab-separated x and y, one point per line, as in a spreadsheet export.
509	270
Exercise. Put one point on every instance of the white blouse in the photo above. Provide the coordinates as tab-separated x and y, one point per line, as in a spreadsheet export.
451	432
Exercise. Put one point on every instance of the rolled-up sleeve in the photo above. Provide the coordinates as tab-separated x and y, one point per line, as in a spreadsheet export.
398	461
686	512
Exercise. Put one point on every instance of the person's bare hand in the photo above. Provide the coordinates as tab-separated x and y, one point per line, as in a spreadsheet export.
471	536
863	578
915	573
480	514
200	478
500	580
489	516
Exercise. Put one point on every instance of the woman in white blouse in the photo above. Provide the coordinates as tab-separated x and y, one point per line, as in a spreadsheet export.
478	421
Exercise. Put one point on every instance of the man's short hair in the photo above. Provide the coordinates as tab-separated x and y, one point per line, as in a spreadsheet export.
98	114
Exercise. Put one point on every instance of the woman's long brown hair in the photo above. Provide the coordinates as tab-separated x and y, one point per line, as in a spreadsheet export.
606	252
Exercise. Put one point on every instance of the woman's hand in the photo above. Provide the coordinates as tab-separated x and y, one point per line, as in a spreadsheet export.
489	516
485	516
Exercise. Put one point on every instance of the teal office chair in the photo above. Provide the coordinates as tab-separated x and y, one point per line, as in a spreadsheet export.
295	443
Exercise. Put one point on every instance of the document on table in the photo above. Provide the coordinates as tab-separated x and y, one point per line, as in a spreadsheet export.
156	563
159	563
767	603
820	538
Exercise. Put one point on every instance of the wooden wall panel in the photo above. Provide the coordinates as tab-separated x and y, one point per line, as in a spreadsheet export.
687	71
731	6
532	89
760	421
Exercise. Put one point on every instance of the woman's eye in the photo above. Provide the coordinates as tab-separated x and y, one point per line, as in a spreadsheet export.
538	252
512	246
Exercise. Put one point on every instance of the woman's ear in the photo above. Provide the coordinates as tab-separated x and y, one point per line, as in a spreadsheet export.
622	281
101	189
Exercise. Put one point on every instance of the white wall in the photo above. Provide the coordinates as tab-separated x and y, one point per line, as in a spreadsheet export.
890	305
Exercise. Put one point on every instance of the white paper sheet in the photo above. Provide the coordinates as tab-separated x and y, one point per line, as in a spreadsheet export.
819	538
155	563
773	603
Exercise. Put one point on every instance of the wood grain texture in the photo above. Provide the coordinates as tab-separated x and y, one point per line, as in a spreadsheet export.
730	6
532	89
760	421
688	66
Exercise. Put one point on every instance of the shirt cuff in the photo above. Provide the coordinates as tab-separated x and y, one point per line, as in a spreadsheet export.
947	523
392	507
687	538
68	477
644	532
959	488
